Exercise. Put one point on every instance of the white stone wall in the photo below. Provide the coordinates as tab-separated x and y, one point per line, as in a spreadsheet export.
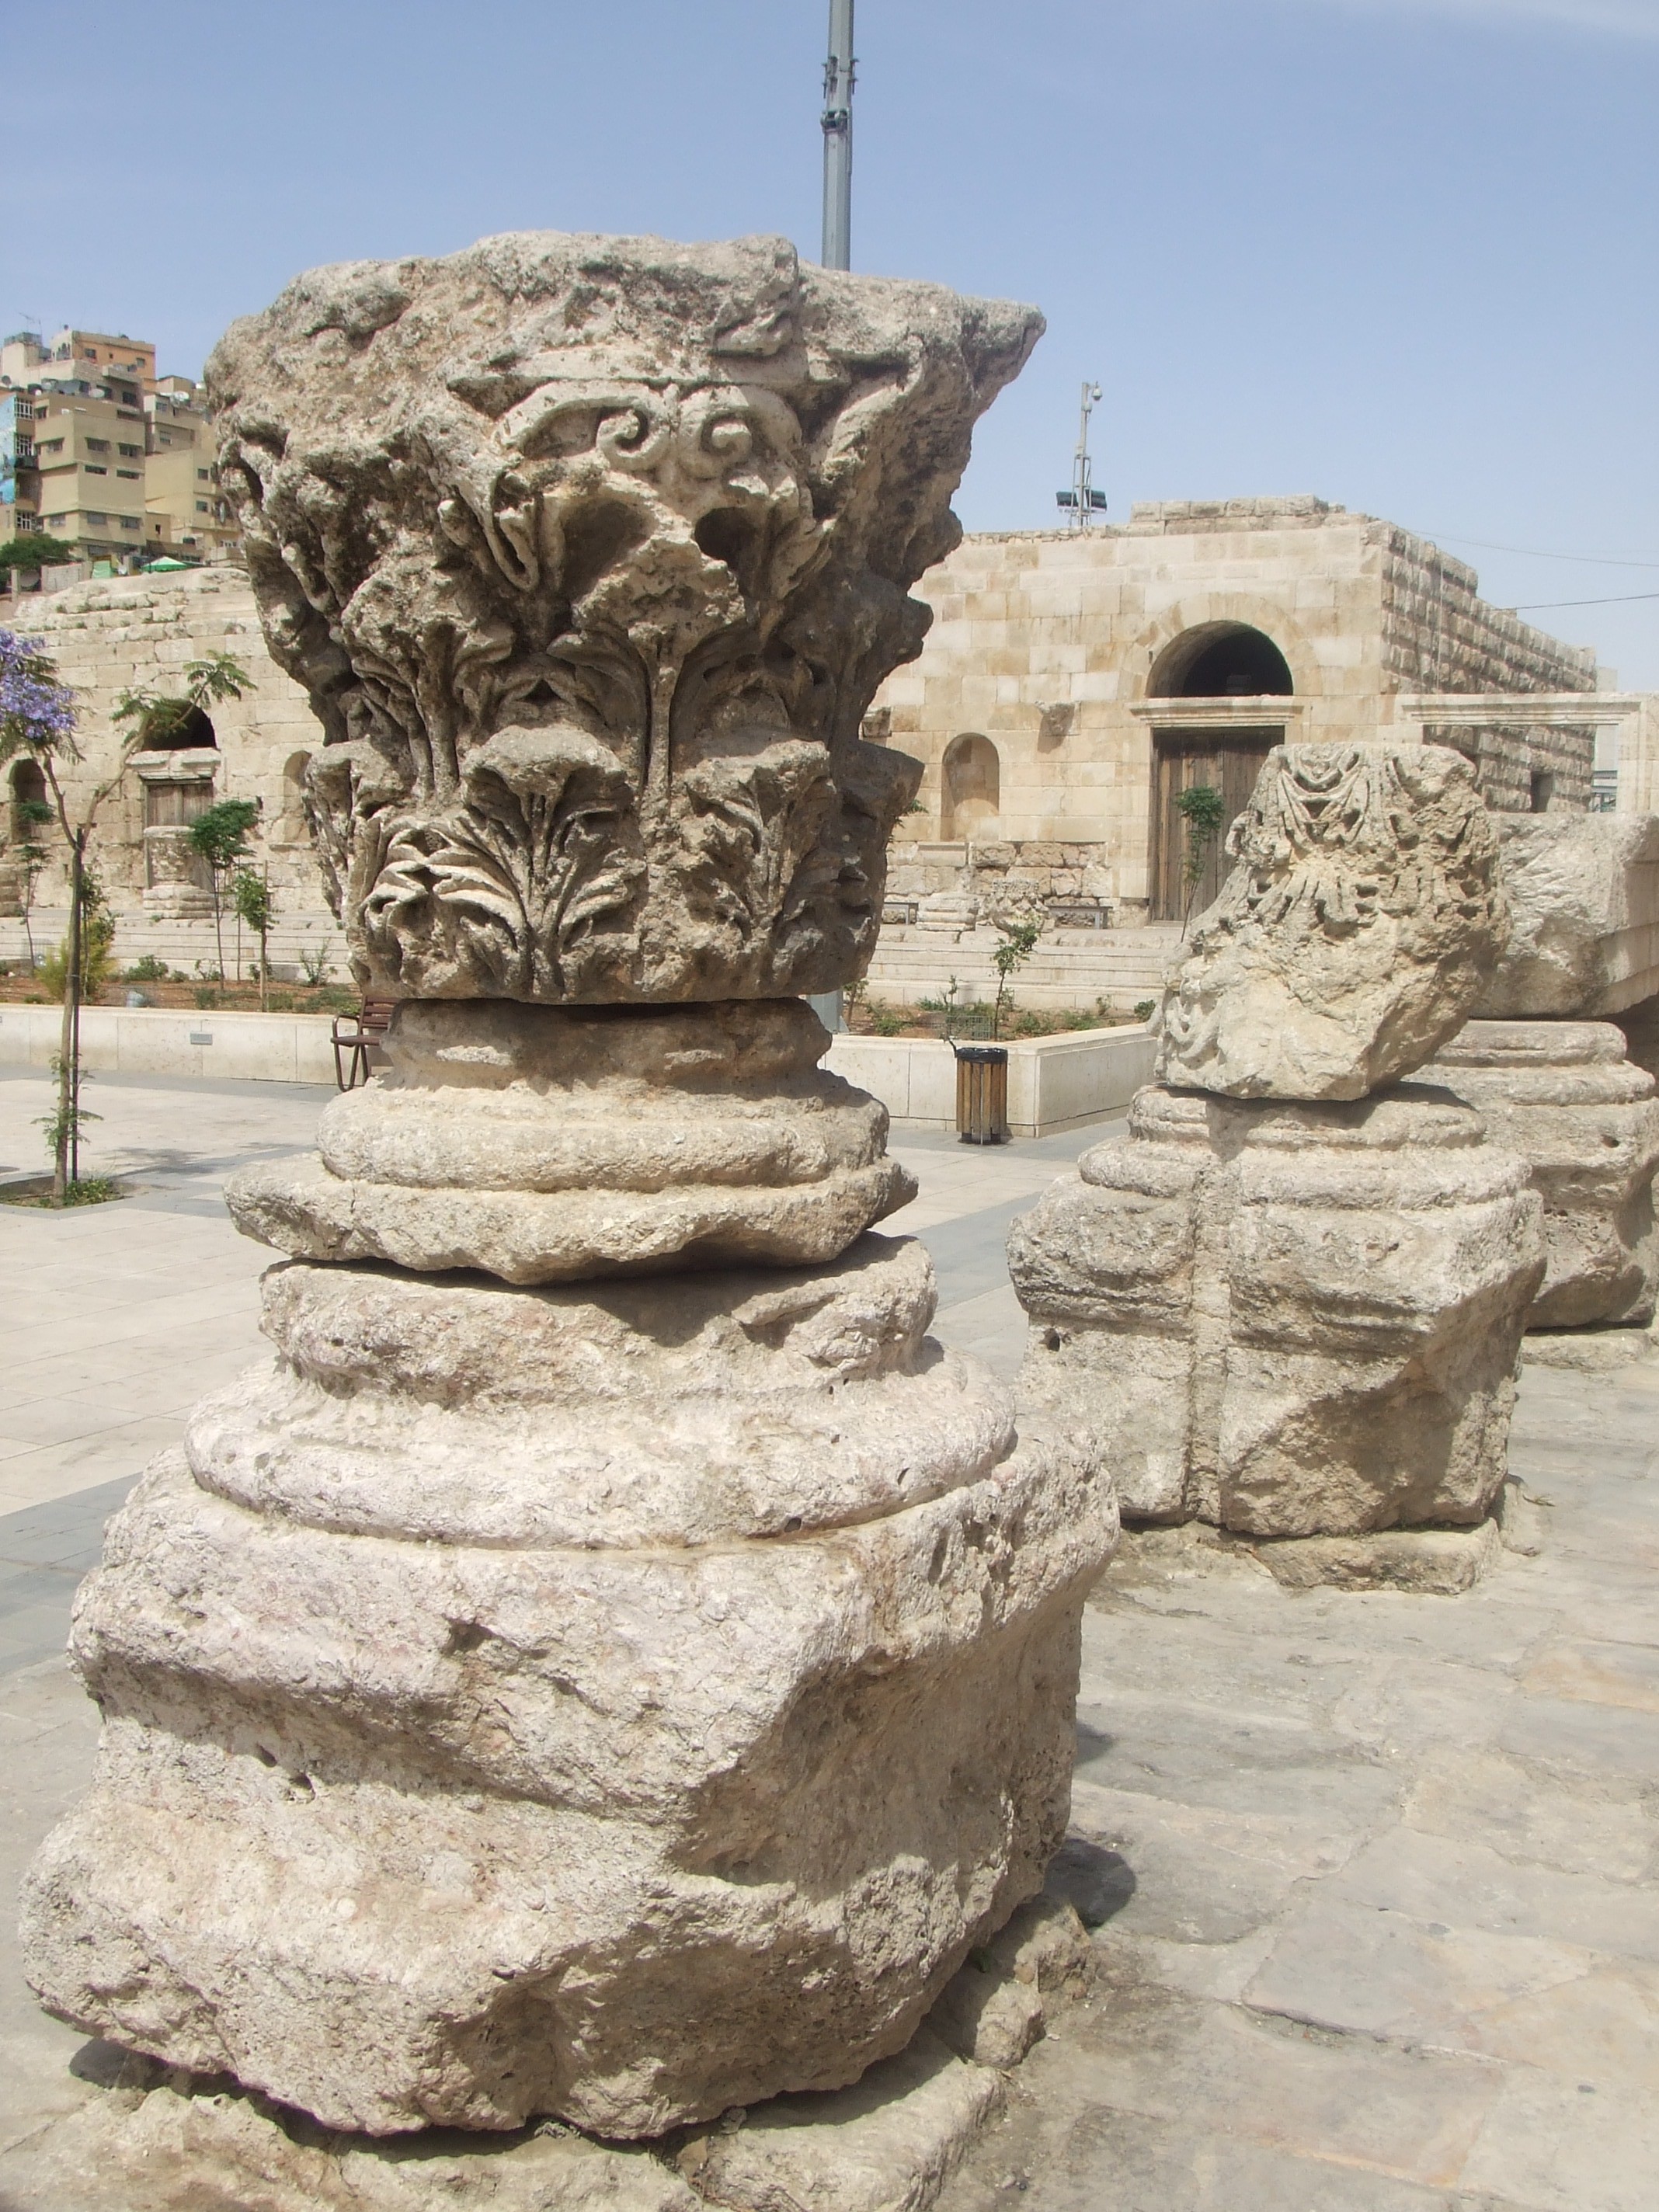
1044	641
137	632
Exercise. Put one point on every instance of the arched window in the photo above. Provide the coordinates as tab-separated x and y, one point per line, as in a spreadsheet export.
1220	660
28	790
173	725
972	788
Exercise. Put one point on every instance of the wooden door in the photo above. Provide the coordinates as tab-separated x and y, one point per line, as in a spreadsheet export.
1181	759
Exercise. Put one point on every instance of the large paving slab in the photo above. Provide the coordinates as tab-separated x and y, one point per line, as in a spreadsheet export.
1376	1874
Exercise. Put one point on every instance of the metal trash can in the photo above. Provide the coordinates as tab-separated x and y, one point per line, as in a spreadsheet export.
981	1093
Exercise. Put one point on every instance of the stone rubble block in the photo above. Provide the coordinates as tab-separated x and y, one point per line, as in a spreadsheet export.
1286	1319
1564	1097
539	1145
888	2145
1361	922
408	1833
672	1413
1584	897
995	2008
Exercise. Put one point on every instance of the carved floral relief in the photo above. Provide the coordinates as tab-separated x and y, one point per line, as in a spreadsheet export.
592	554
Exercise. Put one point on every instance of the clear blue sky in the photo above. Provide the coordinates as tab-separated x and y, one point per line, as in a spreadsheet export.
1398	252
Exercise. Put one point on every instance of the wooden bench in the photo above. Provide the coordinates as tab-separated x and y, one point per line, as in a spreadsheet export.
359	1041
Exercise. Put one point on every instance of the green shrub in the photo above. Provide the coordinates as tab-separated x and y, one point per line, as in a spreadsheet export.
97	958
1145	1009
150	970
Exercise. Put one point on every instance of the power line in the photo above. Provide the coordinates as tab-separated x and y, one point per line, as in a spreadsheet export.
1535	553
1620	599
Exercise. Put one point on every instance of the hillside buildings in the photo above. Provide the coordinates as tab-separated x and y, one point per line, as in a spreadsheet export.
99	453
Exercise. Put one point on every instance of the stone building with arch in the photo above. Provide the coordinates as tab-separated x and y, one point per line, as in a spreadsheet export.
136	632
1071	686
1074	683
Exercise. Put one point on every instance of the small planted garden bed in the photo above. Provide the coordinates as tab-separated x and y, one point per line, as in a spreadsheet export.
189	993
978	1023
36	1191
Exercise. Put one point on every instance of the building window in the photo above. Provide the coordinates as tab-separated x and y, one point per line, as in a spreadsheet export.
95	468
130	522
201	507
57	521
202	475
97	521
98	445
130	453
133	476
52	446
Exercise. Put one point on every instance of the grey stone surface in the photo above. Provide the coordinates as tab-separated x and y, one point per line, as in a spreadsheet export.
1363	919
1583	899
553	1145
1382	1936
1288	1319
1564	1097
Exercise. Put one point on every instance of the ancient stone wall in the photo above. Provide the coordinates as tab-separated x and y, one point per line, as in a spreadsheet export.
136	632
1047	646
1439	635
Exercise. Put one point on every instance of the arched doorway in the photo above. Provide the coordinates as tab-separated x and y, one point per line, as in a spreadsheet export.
1217	663
972	788
1220	660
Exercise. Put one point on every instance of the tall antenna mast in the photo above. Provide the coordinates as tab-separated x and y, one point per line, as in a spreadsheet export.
837	119
1082	503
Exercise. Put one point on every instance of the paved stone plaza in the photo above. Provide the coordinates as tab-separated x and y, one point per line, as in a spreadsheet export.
1371	1876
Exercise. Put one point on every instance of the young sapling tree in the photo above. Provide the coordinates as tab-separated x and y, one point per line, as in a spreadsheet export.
221	836
251	896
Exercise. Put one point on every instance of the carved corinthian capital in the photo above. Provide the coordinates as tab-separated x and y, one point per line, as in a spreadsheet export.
592	553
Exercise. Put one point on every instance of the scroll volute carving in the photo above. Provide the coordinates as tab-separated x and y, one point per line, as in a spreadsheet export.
592	554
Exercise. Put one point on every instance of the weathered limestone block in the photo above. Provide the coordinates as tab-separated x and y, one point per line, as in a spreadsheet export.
1286	1319
406	1831
629	1700
682	1412
1583	899
1355	933
590	553
1564	1096
549	1144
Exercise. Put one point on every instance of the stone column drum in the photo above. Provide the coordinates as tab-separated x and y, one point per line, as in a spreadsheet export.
1564	1096
1289	1303
611	1662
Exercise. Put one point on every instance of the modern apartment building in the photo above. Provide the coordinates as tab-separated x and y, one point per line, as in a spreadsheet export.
184	510
89	444
18	513
97	450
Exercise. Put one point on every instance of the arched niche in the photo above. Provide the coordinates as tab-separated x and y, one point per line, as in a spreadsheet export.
1220	660
293	827
28	789
971	799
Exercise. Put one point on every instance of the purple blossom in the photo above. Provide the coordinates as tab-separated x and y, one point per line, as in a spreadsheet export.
37	712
